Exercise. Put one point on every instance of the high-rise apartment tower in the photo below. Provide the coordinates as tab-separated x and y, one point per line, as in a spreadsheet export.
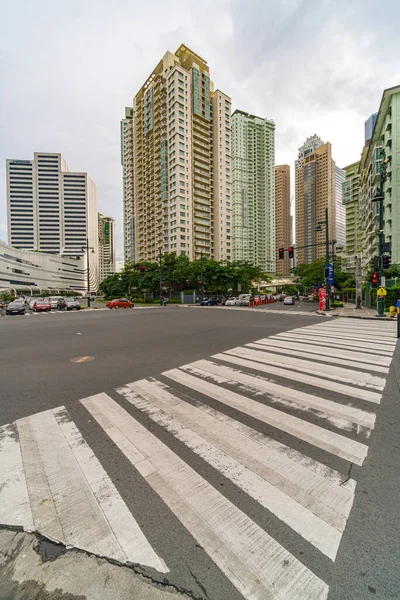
253	158
180	163
315	191
107	257
282	217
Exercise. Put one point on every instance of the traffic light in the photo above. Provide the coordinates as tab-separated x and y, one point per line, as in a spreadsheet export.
142	269
386	261
374	279
291	251
326	273
200	283
374	263
281	253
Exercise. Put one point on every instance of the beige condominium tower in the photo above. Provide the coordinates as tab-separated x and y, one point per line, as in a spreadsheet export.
176	156
282	217
315	191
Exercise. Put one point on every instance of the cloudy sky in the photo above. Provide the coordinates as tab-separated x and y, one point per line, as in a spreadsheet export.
68	69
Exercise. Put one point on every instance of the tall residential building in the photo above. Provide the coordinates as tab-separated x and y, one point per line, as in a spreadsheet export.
282	217
52	209
107	256
339	208
384	145
369	127
127	159
315	191
253	158
180	163
351	193
310	145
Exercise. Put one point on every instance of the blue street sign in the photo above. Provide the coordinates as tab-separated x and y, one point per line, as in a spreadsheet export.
330	274
398	304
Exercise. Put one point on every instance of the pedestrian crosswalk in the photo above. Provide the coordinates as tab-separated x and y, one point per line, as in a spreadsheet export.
281	419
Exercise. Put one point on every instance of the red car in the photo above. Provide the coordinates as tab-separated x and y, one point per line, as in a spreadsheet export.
42	306
123	303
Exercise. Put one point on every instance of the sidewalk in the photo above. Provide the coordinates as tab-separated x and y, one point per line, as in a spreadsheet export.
350	310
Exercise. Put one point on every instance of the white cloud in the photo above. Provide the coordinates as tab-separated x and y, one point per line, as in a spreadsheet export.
68	71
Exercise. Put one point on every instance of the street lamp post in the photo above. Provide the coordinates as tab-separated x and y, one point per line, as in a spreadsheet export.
160	259
379	197
88	270
326	269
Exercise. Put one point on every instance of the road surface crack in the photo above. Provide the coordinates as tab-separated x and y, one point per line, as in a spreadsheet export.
348	475
201	586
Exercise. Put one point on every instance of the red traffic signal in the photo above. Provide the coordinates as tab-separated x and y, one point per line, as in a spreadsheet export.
374	279
200	283
291	251
281	253
142	268
386	262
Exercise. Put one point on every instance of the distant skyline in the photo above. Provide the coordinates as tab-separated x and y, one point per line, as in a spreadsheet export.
68	71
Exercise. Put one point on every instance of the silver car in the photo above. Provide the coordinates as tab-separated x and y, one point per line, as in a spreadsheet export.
72	303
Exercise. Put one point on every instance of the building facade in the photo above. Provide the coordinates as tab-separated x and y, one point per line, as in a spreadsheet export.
180	163
107	255
38	272
315	181
127	161
340	210
51	209
383	147
282	217
351	198
253	163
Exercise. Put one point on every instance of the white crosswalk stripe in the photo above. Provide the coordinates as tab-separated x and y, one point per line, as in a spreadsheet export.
249	557
71	498
315	396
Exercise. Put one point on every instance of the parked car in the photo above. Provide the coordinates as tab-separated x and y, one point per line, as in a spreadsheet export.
57	302
232	301
122	303
244	299
42	306
72	303
17	307
32	302
289	300
213	301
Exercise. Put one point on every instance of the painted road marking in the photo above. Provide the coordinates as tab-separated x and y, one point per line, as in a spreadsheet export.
273	355
330	441
81	359
72	500
346	354
250	558
326	384
344	415
315	340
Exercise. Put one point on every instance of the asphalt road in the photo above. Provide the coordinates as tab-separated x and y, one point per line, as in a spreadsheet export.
39	371
36	351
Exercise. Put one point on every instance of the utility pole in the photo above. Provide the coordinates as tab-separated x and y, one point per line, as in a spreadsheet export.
160	258
326	268
88	272
201	275
379	196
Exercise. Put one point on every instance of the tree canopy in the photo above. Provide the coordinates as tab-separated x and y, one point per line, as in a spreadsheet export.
179	273
312	274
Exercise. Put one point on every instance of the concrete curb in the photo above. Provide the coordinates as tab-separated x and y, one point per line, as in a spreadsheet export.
333	314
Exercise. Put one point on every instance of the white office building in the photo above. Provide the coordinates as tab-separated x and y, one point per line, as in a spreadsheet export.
29	272
52	209
107	258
